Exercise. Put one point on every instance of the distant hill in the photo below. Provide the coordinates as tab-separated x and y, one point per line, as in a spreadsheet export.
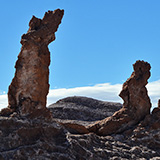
83	108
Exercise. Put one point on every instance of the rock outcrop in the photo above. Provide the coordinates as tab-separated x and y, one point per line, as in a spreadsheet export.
29	87
148	130
23	138
76	113
83	109
135	107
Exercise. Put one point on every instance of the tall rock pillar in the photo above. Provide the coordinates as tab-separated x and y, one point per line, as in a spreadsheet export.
30	85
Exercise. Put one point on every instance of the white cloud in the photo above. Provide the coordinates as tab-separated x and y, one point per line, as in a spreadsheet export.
154	92
3	101
105	91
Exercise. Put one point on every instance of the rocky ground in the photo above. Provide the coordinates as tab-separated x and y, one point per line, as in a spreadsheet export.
40	138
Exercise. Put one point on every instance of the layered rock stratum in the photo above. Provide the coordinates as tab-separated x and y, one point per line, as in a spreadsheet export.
74	128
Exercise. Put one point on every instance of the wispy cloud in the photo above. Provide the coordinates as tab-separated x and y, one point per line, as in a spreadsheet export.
105	91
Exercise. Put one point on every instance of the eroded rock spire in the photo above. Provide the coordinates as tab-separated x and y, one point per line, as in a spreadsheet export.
136	103
30	85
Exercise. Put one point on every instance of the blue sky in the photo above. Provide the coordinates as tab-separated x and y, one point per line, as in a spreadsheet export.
97	42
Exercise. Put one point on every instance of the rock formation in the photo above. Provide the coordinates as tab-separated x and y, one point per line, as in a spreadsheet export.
130	132
23	138
76	113
136	103
29	87
83	109
147	131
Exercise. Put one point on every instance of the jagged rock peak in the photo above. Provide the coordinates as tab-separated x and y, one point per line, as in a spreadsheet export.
29	87
43	31
136	103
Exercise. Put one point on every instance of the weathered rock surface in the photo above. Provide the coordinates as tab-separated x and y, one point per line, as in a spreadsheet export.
29	87
148	131
83	109
24	138
37	139
27	139
135	107
76	113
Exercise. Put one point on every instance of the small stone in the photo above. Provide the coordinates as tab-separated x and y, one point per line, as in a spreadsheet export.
135	150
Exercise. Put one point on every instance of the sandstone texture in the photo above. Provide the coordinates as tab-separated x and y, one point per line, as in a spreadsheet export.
29	87
136	103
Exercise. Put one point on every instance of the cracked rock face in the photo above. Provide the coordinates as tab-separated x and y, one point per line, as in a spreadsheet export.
136	103
29	87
